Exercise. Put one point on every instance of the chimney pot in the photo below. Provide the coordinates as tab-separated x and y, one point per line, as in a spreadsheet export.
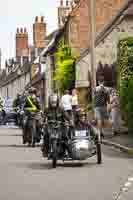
67	3
17	30
21	30
61	2
36	19
25	30
42	18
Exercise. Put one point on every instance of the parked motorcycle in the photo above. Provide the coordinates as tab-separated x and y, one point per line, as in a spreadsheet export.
67	143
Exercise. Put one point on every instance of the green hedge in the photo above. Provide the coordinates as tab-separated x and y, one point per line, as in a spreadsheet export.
125	66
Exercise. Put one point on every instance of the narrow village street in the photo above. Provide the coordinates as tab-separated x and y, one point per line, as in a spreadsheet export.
25	175
66	83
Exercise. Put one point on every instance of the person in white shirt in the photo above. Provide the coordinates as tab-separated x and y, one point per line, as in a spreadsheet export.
66	101
74	99
66	104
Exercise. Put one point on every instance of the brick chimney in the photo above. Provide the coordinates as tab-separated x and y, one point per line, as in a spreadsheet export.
21	43
63	11
39	32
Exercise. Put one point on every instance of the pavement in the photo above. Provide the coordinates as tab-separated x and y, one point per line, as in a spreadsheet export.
25	175
126	191
122	141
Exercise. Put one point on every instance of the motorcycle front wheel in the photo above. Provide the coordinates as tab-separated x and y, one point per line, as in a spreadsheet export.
33	131
54	155
99	153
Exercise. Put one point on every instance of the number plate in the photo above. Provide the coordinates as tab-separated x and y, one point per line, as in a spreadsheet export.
82	133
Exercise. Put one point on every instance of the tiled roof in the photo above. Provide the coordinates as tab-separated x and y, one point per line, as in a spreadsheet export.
4	79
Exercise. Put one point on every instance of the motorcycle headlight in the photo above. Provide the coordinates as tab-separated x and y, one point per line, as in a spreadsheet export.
82	145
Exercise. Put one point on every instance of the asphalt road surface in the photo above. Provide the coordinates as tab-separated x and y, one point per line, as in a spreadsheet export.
25	175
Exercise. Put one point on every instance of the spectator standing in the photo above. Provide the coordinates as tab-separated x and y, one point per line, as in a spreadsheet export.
74	99
115	111
66	104
100	102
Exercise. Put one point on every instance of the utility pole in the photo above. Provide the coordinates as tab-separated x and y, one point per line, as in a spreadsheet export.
92	36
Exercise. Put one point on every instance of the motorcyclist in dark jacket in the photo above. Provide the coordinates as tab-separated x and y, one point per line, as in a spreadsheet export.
82	122
52	113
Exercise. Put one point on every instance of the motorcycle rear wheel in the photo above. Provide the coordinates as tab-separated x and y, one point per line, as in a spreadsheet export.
54	156
32	138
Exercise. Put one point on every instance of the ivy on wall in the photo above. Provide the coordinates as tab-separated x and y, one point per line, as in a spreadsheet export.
64	73
125	66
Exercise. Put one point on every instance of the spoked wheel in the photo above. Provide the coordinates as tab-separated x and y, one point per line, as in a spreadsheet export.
32	138
24	135
33	133
54	156
29	137
98	149
99	153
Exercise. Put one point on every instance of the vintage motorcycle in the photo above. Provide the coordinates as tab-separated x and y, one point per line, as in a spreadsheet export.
67	143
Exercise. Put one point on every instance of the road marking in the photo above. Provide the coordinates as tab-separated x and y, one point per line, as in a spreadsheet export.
124	188
130	179
128	184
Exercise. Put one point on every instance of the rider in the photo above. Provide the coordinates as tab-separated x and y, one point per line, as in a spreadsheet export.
82	122
52	113
32	105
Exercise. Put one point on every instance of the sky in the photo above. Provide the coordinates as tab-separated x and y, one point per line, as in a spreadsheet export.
16	13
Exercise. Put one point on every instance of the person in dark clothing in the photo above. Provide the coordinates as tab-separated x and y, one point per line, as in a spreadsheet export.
32	105
17	102
83	123
52	113
100	101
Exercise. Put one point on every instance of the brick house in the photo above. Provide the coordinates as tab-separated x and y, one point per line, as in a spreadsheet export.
106	46
77	24
18	70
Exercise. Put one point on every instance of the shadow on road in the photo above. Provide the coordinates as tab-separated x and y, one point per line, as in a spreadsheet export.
16	146
9	127
6	135
48	165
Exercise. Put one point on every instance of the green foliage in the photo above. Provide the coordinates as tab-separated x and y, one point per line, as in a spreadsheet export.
64	73
125	65
125	58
